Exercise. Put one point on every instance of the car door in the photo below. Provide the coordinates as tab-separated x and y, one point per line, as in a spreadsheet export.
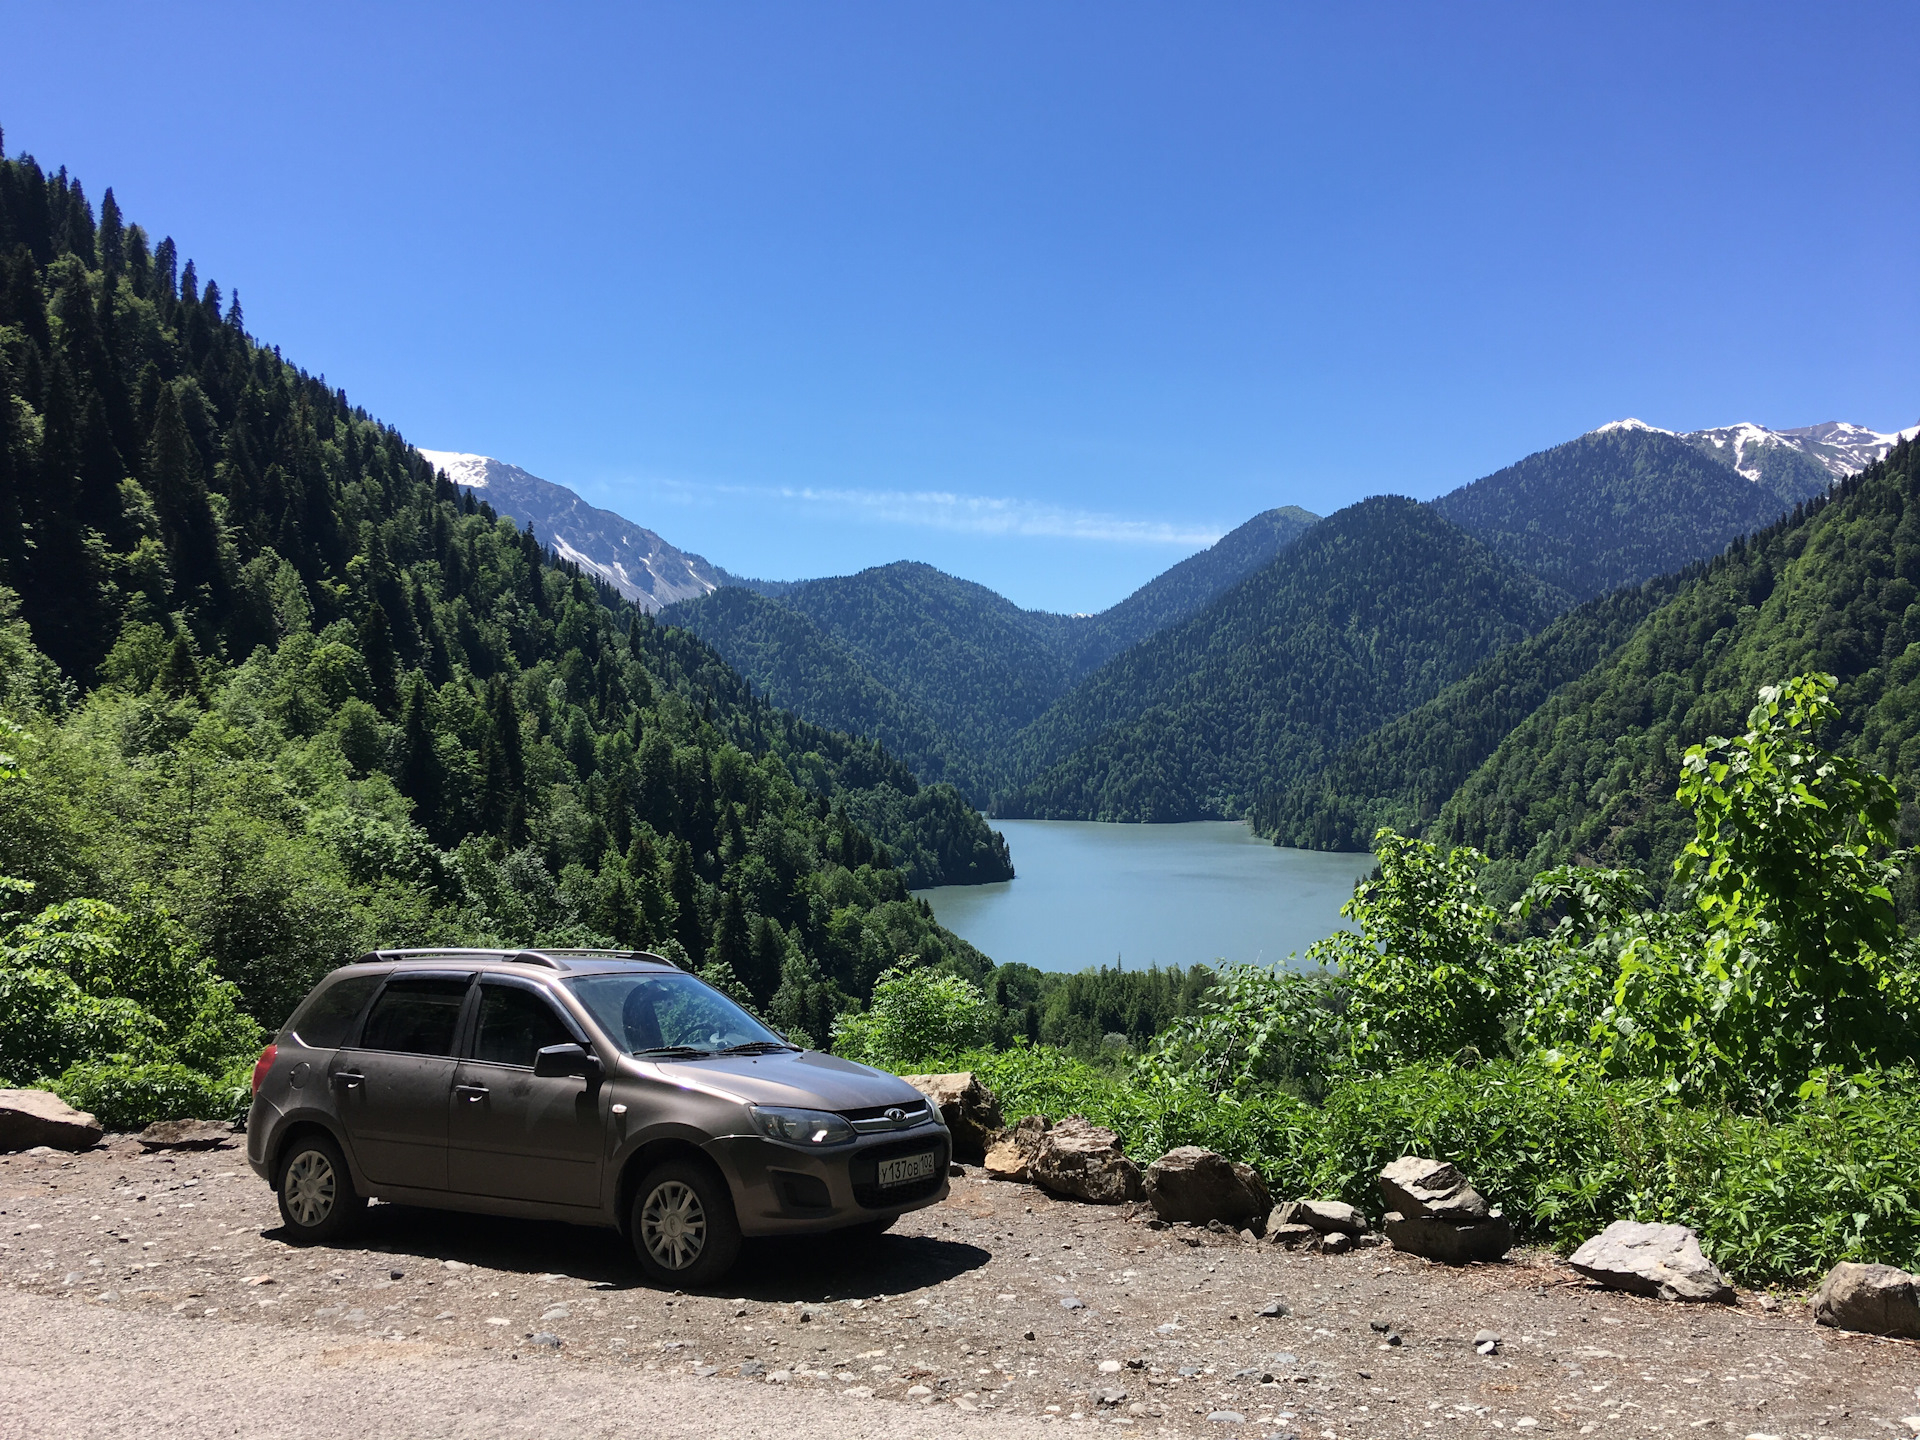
392	1086
513	1134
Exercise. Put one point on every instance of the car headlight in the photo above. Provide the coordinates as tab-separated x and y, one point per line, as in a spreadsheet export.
801	1127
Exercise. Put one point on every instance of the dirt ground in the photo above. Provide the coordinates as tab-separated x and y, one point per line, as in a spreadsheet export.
1000	1299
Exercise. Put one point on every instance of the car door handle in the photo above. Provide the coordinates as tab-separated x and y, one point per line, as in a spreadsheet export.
347	1079
474	1093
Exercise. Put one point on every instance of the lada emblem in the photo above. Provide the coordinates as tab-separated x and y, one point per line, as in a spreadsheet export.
896	1115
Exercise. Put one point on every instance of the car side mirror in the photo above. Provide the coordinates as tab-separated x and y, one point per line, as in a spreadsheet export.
556	1060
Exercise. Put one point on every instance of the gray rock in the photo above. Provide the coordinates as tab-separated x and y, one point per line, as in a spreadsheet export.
972	1114
1418	1187
1663	1261
1292	1236
1228	1417
32	1118
1110	1398
1072	1302
1275	1310
1337	1243
752	1367
188	1135
1875	1299
1082	1160
1011	1156
1189	1183
546	1340
1329	1217
1452	1244
556	1312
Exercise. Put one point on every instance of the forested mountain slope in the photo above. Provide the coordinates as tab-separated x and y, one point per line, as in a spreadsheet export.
1402	773
799	667
1591	773
1367	615
1178	592
1615	507
315	699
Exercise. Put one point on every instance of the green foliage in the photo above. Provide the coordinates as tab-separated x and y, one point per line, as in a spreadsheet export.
123	1095
918	1018
1255	1027
1425	978
1370	613
1612	508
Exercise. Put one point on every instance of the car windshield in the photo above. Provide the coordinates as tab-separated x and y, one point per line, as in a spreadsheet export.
657	1012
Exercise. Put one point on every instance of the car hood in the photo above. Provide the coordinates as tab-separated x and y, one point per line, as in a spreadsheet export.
808	1079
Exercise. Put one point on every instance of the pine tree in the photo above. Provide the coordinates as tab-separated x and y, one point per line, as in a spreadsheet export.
383	666
179	493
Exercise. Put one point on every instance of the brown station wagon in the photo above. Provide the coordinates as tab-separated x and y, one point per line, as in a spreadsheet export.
598	1087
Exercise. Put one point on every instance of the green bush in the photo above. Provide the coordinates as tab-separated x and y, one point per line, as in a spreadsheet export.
123	1095
919	1018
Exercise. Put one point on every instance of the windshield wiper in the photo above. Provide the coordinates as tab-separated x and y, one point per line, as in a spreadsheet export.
759	1047
672	1052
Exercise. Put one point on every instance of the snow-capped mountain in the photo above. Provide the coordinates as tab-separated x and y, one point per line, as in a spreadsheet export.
1798	463
629	557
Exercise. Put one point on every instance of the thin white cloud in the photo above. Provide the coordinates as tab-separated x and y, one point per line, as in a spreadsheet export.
973	514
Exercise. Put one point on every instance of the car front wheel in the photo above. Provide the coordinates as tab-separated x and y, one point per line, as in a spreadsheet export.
683	1225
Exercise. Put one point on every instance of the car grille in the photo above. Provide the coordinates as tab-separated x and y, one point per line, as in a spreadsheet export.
863	1171
878	1119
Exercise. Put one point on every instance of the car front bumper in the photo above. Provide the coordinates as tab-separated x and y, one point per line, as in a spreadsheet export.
786	1190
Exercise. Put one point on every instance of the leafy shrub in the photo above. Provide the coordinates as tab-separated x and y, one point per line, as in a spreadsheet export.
918	1017
1256	1026
124	1095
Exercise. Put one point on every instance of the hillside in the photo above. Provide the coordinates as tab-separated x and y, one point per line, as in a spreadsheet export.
1369	614
1402	773
1591	773
631	558
1178	592
1614	507
316	698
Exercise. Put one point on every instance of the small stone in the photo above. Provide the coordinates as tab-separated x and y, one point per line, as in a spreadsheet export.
1394	1340
1026	1334
1071	1302
1769	1303
396	1274
1227	1417
1335	1244
916	1392
1486	1337
1379	1327
1525	1422
1136	1364
752	1367
556	1312
547	1340
703	1371
444	1315
779	1377
1109	1399
1275	1310
1109	1367
1292	1236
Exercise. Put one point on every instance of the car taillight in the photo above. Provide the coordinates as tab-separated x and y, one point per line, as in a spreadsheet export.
263	1065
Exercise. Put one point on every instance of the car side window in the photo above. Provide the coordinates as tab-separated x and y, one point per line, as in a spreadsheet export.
325	1020
416	1015
515	1025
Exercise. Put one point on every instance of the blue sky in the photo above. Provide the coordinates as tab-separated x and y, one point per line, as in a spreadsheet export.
1043	294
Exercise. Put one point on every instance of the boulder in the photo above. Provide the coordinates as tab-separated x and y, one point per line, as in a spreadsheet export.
1083	1160
1193	1184
1876	1299
1659	1260
40	1117
1011	1156
968	1107
1419	1187
1292	1237
1329	1217
1446	1241
187	1135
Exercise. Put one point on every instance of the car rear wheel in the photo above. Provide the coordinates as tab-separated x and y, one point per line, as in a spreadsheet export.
317	1198
683	1225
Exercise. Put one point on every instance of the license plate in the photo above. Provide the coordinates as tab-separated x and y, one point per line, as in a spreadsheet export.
907	1167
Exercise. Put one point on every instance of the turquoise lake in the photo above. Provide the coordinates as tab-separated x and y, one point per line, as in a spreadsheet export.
1087	894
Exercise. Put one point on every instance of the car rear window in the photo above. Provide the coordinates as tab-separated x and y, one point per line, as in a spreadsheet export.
416	1015
324	1022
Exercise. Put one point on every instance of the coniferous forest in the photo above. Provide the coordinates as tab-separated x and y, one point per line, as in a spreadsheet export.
278	692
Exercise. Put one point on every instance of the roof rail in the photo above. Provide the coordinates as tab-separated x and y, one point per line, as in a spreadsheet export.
531	957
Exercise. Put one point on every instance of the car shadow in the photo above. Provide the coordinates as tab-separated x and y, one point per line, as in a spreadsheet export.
800	1268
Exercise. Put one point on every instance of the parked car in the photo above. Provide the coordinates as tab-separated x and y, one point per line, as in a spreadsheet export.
590	1086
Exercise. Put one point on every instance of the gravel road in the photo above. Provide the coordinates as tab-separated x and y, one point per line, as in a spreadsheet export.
153	1294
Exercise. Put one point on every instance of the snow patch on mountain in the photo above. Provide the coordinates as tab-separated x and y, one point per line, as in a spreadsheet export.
1837	447
629	557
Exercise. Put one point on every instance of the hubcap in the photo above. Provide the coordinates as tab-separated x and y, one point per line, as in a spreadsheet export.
673	1226
310	1188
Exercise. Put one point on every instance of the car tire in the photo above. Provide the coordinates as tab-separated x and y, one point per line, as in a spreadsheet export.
318	1203
683	1226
